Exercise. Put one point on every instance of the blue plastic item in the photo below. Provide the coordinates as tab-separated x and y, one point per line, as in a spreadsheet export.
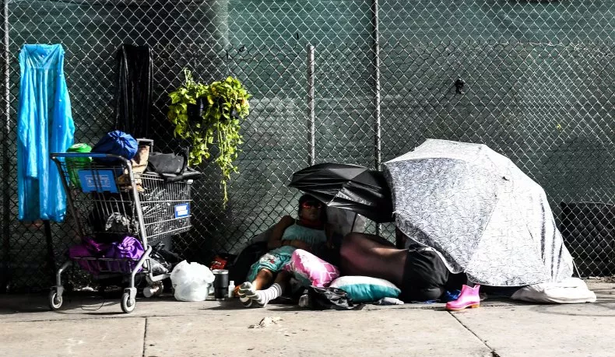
450	295
117	143
44	125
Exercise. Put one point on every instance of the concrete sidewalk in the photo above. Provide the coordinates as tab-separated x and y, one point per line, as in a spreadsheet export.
89	326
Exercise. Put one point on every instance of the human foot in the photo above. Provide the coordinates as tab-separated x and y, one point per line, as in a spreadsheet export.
264	296
247	294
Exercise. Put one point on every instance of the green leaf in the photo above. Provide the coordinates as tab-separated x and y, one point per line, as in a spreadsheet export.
217	127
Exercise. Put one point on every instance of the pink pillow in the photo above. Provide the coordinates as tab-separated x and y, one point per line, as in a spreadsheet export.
311	270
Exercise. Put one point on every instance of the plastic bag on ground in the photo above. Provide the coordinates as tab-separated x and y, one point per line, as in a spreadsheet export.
191	281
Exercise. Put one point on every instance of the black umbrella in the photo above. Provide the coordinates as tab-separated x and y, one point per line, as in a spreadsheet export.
350	187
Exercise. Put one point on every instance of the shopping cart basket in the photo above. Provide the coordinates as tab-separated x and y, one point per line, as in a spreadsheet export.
106	197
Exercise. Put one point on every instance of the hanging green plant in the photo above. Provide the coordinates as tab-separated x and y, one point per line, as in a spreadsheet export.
208	115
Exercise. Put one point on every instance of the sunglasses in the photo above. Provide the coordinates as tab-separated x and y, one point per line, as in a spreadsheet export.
309	204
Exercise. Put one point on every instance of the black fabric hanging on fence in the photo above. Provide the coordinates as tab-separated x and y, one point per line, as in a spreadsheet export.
133	98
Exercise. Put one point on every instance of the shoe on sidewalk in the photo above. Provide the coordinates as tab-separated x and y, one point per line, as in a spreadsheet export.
469	297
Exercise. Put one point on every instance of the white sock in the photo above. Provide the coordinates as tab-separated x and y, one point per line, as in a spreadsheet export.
264	296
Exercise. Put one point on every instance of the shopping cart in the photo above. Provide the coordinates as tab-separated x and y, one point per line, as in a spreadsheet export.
103	187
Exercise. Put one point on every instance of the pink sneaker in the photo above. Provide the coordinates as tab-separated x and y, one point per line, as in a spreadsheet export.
469	297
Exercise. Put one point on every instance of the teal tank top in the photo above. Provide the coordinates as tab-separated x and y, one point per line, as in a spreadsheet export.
311	236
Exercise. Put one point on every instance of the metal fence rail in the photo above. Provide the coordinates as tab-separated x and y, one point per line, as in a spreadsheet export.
533	80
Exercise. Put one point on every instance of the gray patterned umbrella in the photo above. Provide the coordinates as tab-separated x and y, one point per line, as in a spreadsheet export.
479	211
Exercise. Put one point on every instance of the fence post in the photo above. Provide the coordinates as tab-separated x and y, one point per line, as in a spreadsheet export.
311	106
376	76
6	201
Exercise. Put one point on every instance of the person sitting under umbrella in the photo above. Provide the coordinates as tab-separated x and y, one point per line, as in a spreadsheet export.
289	234
419	272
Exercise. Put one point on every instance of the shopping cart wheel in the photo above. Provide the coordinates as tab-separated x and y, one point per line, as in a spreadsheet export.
128	303
55	300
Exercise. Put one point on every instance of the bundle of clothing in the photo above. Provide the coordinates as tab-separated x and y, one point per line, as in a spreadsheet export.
116	257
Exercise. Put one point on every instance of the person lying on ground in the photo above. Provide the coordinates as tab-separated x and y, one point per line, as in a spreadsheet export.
307	232
419	272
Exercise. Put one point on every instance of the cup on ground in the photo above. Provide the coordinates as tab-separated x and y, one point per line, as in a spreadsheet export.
220	283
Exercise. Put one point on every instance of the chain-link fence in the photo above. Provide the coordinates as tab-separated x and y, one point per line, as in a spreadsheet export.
531	79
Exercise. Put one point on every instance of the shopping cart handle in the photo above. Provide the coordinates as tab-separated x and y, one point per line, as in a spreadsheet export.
54	155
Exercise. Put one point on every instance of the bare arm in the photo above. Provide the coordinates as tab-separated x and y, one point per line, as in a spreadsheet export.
275	241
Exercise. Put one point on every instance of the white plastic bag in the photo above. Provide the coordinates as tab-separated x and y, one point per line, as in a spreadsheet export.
191	281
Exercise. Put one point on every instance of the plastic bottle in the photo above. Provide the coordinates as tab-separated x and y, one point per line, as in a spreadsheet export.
149	291
155	289
231	289
210	292
304	300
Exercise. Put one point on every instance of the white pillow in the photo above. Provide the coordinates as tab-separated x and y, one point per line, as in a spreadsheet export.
365	288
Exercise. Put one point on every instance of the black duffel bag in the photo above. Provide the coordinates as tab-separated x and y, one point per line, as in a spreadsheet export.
173	163
172	167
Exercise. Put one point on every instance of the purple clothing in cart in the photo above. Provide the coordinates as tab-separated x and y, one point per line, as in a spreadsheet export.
129	250
88	248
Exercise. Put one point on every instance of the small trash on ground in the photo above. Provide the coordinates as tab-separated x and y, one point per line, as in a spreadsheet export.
266	322
389	301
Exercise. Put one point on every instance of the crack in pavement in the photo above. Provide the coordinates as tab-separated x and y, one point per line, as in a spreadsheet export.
493	352
144	337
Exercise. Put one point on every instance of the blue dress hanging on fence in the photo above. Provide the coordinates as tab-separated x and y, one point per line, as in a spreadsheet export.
44	125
